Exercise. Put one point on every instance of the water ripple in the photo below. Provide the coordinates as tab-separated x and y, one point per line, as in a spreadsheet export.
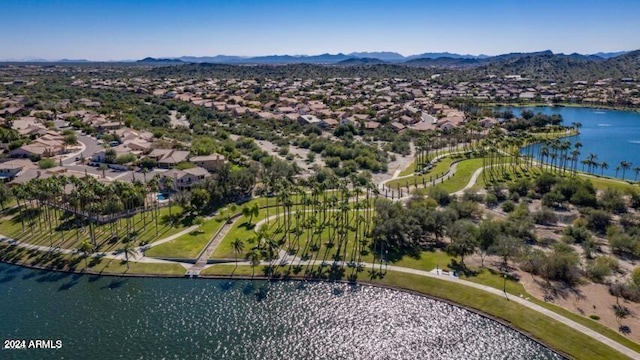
209	319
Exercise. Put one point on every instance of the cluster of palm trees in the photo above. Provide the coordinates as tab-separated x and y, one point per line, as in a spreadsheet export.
431	145
321	224
71	209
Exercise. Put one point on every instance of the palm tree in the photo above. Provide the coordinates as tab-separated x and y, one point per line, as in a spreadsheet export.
637	170
603	167
86	249
254	257
625	165
591	160
169	185
128	250
237	246
5	194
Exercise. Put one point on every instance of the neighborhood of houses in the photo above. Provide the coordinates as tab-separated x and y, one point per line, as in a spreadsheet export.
90	156
367	104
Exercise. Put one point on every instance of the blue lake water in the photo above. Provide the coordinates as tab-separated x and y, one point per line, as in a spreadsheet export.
147	318
612	135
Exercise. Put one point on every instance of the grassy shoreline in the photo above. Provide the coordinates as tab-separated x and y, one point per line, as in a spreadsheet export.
539	327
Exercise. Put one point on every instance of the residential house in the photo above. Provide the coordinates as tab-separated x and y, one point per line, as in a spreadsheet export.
169	159
185	179
371	125
329	123
10	169
396	126
209	162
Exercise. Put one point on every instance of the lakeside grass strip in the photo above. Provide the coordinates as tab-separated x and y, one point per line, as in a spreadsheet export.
92	265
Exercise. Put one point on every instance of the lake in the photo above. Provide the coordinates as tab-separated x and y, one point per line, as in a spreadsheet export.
612	135
153	318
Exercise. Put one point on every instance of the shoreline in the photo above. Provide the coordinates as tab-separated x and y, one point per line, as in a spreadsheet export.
297	278
561	105
492	316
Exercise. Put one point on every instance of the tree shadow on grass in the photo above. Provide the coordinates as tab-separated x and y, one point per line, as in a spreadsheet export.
395	255
247	226
461	268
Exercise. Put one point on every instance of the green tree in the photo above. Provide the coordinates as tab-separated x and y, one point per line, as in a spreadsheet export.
464	239
199	200
5	195
86	248
507	247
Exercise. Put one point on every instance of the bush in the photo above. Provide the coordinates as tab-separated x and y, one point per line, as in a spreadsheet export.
613	201
601	267
635	277
491	200
508	206
470	195
46	163
440	195
545	216
598	221
594	317
125	158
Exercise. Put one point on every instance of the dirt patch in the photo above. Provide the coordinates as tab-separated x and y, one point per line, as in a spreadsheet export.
586	300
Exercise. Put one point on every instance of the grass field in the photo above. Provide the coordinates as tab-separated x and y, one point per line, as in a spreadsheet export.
143	228
441	167
462	176
79	263
188	245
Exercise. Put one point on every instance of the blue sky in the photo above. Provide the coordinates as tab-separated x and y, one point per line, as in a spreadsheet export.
119	29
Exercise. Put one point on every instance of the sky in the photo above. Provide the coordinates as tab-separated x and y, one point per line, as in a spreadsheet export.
129	30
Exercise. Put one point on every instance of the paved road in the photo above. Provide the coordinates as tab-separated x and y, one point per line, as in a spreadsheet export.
90	147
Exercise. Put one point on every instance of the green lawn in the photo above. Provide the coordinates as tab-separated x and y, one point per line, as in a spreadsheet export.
427	261
106	240
78	263
189	245
441	167
462	176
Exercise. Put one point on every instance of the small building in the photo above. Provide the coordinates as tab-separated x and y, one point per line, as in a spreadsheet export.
329	123
371	125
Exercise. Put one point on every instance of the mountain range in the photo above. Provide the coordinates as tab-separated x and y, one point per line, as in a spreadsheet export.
432	59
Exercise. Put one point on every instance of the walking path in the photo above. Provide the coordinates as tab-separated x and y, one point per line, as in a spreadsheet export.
211	246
